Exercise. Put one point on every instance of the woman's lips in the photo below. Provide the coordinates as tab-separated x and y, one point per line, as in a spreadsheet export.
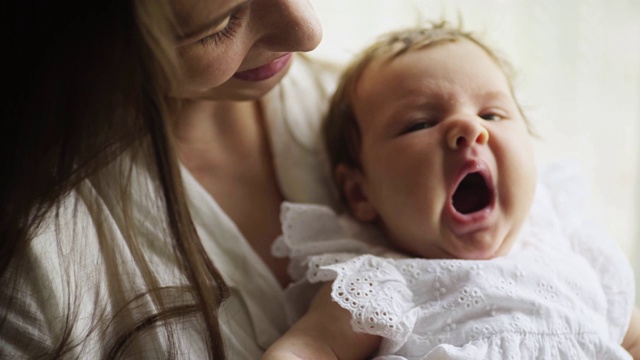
462	224
265	71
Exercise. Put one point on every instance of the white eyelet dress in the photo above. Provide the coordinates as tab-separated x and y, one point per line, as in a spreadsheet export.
565	291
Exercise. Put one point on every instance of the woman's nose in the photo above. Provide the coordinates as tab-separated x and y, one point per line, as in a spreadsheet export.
287	25
465	132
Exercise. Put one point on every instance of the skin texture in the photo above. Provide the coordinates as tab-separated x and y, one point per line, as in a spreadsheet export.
237	36
436	113
219	126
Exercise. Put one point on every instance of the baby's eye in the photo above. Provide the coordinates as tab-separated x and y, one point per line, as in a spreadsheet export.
417	126
491	117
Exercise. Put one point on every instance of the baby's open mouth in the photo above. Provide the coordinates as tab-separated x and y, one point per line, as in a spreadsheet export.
473	194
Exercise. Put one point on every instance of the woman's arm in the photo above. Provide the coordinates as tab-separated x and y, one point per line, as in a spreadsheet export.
323	333
631	340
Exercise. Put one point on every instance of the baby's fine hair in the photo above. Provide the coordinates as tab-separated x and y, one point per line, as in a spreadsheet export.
340	129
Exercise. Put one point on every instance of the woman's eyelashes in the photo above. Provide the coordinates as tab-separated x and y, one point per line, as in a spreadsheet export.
231	25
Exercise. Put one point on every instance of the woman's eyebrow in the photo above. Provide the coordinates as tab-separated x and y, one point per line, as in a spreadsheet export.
211	23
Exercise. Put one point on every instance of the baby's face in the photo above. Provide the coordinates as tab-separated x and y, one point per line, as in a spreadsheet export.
448	165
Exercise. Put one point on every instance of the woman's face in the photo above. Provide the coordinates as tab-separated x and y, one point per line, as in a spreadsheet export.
240	49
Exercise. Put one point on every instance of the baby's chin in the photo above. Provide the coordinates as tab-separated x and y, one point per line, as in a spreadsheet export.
480	250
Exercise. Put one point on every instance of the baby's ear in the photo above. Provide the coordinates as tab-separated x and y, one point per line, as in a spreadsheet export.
351	182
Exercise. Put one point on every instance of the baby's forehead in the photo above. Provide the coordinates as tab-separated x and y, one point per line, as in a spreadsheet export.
377	67
447	71
394	53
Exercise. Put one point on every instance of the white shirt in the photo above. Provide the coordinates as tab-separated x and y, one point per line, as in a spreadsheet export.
76	269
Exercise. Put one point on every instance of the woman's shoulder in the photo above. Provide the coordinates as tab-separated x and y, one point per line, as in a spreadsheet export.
68	284
38	284
294	111
297	105
319	70
55	243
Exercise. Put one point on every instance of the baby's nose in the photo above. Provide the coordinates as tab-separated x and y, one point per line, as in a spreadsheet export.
462	133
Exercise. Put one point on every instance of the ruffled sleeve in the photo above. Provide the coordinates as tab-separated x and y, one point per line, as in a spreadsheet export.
567	190
376	293
314	236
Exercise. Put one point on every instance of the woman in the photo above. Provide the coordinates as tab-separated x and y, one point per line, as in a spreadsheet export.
147	147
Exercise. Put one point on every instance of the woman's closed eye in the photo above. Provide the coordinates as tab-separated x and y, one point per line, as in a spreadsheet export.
227	28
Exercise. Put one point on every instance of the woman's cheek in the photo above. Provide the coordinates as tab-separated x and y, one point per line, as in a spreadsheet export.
205	74
205	68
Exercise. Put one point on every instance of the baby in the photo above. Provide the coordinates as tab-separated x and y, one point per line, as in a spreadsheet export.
433	158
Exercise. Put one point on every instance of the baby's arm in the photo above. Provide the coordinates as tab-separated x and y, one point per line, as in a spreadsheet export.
324	332
631	340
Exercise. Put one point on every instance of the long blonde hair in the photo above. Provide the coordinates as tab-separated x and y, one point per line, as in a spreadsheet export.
86	86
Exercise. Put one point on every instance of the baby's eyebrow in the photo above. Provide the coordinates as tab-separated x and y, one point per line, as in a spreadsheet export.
421	99
494	95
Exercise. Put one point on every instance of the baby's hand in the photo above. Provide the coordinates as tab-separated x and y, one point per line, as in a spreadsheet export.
632	338
323	333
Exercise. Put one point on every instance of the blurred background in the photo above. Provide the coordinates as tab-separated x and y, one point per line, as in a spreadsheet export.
577	68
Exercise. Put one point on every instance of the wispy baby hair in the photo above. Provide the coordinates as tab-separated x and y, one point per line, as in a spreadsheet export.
340	130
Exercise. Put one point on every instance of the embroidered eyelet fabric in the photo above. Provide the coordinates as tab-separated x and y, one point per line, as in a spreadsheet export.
565	291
